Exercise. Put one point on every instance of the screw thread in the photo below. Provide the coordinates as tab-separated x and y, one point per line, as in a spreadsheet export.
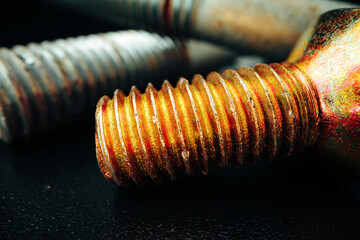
46	85
270	110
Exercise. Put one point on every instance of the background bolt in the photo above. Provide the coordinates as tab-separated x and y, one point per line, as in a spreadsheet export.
269	28
47	85
269	110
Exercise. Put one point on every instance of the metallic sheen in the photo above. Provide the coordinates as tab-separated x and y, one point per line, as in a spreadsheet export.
44	86
266	27
269	110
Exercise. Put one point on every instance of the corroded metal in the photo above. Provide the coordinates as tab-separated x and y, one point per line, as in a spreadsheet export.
267	27
331	60
269	110
43	86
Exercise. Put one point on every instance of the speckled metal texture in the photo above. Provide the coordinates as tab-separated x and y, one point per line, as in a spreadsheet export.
237	115
270	111
331	58
267	27
46	85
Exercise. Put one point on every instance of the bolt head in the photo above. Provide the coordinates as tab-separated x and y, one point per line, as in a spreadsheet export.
329	53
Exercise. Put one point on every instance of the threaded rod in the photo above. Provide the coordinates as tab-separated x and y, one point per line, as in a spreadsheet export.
270	110
46	85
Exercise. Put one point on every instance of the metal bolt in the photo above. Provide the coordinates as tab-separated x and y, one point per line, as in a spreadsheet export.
44	86
269	28
269	110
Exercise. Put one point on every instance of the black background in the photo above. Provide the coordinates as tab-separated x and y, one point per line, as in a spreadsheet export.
51	188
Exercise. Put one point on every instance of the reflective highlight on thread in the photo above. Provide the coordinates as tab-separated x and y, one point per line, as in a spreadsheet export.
45	85
269	110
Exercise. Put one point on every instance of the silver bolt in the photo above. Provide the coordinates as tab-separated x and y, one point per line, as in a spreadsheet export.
46	85
269	28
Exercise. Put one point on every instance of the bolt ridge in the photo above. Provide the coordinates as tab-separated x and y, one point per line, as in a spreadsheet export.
51	83
269	110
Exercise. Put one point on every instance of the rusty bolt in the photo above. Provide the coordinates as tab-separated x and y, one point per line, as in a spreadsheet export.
46	85
269	28
269	110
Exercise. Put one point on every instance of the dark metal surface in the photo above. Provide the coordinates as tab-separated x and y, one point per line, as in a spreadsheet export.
58	192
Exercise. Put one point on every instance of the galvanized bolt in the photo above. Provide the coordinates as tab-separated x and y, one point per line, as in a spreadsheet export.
44	86
269	28
269	110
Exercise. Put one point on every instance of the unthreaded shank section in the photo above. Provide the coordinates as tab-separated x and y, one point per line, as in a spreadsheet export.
269	110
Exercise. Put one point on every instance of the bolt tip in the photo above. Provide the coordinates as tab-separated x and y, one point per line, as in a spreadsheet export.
102	100
100	159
